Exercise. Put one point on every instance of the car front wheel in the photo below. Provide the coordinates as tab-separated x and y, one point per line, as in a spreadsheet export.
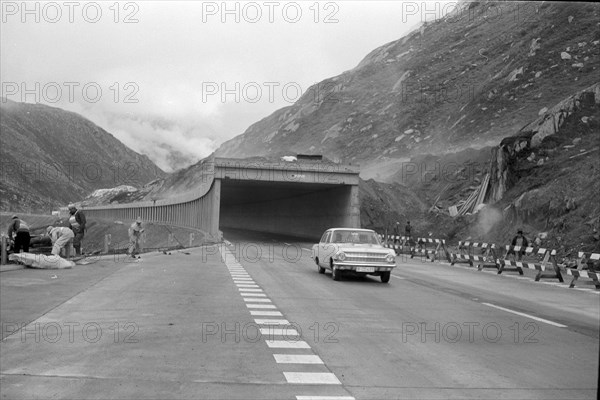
336	274
385	276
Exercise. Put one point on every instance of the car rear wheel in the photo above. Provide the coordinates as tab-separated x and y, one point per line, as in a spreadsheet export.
321	269
385	276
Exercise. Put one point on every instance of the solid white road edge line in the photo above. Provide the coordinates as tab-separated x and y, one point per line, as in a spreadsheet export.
526	315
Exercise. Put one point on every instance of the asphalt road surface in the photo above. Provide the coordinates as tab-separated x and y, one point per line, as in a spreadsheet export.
255	320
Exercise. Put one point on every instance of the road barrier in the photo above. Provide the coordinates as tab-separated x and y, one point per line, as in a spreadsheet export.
544	260
580	272
401	244
487	257
430	247
548	257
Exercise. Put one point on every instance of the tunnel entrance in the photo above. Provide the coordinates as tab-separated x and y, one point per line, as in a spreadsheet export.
298	199
301	210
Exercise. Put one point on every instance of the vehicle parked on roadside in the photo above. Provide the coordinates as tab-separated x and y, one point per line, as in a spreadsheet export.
353	250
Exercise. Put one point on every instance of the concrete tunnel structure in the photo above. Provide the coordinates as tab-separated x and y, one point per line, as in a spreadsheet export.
302	199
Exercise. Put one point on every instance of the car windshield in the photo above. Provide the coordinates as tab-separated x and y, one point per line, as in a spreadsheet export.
357	237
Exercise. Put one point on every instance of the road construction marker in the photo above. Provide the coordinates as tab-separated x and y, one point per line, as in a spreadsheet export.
526	315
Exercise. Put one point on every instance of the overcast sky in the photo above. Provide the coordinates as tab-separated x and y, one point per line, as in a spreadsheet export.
189	75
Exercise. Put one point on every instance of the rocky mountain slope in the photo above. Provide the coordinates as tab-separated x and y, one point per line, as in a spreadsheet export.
51	157
466	80
544	179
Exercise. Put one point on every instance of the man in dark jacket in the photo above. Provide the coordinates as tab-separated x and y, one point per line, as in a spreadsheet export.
22	236
77	224
519	240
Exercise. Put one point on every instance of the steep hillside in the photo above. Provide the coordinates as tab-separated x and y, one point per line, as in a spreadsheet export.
466	80
545	179
51	157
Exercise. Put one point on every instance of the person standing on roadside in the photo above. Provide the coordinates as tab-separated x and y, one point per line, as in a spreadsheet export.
22	236
408	232
77	225
396	232
135	232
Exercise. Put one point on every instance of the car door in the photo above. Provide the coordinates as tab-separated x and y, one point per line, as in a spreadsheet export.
322	248
328	249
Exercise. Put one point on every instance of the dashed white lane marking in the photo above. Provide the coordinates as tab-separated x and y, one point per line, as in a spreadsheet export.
253	300
266	313
265	306
288	332
267	321
526	315
287	344
305	249
297	359
397	277
312	378
286	338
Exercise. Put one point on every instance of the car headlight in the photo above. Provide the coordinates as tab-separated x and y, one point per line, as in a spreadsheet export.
341	256
390	258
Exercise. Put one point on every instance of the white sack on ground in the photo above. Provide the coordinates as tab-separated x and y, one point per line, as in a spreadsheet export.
42	261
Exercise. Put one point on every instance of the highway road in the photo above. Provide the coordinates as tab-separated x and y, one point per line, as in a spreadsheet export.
255	320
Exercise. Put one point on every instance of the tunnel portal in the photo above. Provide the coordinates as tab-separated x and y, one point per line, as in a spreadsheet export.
300	199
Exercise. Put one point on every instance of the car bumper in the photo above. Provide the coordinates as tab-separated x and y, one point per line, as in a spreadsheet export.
353	266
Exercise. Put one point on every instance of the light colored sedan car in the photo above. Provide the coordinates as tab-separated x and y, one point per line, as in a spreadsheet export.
357	250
